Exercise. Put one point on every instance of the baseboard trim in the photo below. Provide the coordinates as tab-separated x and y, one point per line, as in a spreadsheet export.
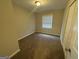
14	53
19	49
25	36
49	34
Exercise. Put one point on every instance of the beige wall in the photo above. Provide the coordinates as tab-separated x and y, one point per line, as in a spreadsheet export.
57	22
14	23
25	21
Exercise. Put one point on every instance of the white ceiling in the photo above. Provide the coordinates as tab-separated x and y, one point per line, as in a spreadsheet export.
45	4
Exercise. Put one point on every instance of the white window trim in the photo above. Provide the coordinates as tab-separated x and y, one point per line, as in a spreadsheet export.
47	17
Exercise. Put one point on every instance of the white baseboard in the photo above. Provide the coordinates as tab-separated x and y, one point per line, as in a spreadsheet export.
25	36
19	49
57	34
14	53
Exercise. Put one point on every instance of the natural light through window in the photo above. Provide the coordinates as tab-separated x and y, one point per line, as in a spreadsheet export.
47	22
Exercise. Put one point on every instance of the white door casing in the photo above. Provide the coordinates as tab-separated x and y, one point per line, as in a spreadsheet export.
70	36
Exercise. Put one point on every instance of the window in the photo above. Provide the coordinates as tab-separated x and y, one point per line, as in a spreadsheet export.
47	22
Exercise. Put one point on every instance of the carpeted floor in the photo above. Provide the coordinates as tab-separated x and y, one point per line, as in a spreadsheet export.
40	46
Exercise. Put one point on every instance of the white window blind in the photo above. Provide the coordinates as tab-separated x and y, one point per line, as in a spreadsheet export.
47	22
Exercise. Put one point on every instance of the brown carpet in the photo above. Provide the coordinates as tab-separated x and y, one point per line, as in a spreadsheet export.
40	46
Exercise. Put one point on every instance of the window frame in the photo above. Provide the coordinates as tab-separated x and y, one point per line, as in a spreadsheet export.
51	21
